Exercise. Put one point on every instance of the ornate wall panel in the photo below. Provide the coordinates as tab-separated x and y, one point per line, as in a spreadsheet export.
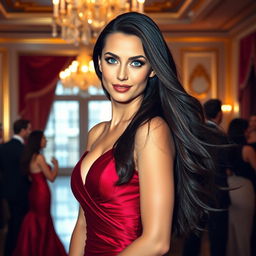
199	72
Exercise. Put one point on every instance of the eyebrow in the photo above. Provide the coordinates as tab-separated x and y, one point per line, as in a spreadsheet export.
131	58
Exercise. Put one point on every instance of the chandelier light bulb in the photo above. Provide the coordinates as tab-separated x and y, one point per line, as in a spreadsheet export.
73	16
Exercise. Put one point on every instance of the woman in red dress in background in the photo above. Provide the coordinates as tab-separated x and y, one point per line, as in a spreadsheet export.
37	236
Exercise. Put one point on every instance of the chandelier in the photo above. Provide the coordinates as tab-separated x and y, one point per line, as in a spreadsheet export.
81	20
80	73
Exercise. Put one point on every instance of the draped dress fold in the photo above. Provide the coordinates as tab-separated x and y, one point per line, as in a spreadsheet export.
37	236
112	212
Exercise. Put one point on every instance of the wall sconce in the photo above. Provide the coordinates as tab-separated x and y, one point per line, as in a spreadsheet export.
226	108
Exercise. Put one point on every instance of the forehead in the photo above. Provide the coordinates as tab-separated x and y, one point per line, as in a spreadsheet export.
123	44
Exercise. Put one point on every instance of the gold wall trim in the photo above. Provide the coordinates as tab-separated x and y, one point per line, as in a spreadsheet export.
34	40
203	39
50	40
199	71
171	15
5	93
228	59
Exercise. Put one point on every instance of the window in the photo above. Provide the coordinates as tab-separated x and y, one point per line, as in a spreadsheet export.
72	115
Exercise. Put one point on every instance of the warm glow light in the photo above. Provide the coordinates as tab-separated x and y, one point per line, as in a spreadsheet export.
84	68
80	72
226	108
81	20
62	75
236	108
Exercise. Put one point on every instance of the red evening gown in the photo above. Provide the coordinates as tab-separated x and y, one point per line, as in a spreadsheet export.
37	236
112	212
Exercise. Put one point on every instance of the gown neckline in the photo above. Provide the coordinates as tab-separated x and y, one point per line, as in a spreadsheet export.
95	161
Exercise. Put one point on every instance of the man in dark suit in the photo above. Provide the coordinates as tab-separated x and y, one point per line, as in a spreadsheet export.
217	221
15	184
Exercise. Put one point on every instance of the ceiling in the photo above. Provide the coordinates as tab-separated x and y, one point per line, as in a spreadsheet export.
219	16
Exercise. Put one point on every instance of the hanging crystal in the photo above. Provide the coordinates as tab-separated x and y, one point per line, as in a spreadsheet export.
80	20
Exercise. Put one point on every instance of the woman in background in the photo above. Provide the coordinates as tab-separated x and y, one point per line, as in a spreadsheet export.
147	171
243	179
37	236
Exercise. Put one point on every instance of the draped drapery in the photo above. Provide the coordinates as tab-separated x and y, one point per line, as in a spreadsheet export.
38	76
247	73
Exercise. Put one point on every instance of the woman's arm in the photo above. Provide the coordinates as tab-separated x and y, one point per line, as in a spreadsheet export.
49	174
154	154
78	237
249	156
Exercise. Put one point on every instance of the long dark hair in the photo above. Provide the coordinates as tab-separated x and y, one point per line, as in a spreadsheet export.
164	96
32	147
237	129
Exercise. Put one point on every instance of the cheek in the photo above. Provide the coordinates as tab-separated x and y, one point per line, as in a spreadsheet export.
107	73
141	76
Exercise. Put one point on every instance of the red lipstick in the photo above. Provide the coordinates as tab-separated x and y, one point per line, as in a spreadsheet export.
121	87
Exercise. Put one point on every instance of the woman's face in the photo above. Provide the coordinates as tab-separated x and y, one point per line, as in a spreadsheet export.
125	68
43	142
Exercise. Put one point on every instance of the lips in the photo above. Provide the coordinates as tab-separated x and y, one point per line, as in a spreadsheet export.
121	87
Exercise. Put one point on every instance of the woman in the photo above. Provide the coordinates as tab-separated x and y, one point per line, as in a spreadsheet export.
37	236
243	179
146	171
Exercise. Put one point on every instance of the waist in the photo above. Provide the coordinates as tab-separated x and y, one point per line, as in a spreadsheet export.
108	240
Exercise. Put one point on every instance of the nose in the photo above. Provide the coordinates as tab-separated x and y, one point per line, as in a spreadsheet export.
122	74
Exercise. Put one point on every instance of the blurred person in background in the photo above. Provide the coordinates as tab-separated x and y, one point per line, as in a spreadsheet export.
37	236
217	221
251	139
15	185
242	180
251	135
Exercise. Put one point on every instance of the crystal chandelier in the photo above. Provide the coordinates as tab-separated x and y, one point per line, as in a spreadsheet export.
81	20
80	73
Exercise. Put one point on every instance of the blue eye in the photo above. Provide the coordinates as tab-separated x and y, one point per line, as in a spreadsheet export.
137	63
111	60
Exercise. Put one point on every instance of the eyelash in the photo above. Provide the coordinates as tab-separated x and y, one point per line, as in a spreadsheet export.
109	59
141	63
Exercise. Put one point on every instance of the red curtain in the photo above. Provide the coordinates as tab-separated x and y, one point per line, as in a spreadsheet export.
247	71
38	76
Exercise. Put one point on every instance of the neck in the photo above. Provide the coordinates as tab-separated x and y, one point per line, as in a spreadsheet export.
122	113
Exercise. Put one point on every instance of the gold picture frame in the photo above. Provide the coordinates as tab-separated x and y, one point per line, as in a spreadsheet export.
199	72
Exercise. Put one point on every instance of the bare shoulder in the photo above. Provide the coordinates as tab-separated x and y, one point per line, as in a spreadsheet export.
40	158
154	133
95	132
154	128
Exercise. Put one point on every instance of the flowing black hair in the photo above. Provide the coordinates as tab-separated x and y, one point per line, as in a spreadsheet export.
165	97
32	147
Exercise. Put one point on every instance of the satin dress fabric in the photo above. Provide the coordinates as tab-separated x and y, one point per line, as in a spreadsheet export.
37	236
112	212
